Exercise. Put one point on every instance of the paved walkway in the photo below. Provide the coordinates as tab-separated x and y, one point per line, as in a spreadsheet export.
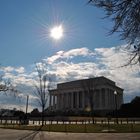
7	134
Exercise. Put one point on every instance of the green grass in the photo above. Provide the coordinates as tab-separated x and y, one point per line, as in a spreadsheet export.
80	128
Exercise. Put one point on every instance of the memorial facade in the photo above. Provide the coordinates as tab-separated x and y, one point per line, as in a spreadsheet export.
98	94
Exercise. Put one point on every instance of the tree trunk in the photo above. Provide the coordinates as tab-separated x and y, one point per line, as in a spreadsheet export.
42	117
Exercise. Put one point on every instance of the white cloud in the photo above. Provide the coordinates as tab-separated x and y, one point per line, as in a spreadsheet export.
104	62
7	69
99	62
20	70
55	57
13	69
69	54
126	77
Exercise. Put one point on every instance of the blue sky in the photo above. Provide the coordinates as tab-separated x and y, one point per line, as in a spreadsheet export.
85	51
22	29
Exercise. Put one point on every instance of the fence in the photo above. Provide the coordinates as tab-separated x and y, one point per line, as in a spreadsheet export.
69	120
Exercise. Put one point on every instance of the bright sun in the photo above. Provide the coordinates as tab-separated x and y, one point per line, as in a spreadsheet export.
57	32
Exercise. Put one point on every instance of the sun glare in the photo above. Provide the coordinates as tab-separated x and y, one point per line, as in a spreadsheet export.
57	32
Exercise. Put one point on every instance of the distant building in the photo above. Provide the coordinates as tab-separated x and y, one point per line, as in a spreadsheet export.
81	94
6	112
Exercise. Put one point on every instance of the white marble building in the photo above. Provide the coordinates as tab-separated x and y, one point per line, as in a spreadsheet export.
94	93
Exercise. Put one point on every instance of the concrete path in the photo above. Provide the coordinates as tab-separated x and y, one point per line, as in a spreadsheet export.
7	134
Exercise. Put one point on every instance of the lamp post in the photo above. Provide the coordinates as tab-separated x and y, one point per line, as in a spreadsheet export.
26	118
116	114
27	104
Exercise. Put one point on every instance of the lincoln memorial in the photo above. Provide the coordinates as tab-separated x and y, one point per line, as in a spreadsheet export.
98	94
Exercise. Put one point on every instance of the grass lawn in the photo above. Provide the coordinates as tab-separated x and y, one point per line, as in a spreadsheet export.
80	128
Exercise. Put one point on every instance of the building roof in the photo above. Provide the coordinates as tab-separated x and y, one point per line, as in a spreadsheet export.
84	82
90	83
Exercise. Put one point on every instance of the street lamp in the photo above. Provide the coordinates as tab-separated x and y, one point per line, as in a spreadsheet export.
26	116
27	104
115	93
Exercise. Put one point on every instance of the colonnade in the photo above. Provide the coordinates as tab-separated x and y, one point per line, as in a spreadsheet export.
102	98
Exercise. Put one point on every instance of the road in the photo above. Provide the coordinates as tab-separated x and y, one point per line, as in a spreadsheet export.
7	134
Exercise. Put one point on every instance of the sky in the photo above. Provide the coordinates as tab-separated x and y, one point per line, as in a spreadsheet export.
85	50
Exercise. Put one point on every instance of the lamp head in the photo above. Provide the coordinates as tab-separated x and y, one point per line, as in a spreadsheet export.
115	92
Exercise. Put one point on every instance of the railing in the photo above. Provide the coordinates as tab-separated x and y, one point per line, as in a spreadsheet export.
69	120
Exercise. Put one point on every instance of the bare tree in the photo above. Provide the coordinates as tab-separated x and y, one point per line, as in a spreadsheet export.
125	14
89	89
6	86
42	87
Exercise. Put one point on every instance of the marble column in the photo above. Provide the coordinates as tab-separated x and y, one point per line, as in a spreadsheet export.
71	100
99	99
94	99
66	100
57	101
63	101
50	102
114	105
77	105
118	100
80	99
83	100
60	101
106	98
68	95
103	94
54	101
74	100
121	98
109	99
113	99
